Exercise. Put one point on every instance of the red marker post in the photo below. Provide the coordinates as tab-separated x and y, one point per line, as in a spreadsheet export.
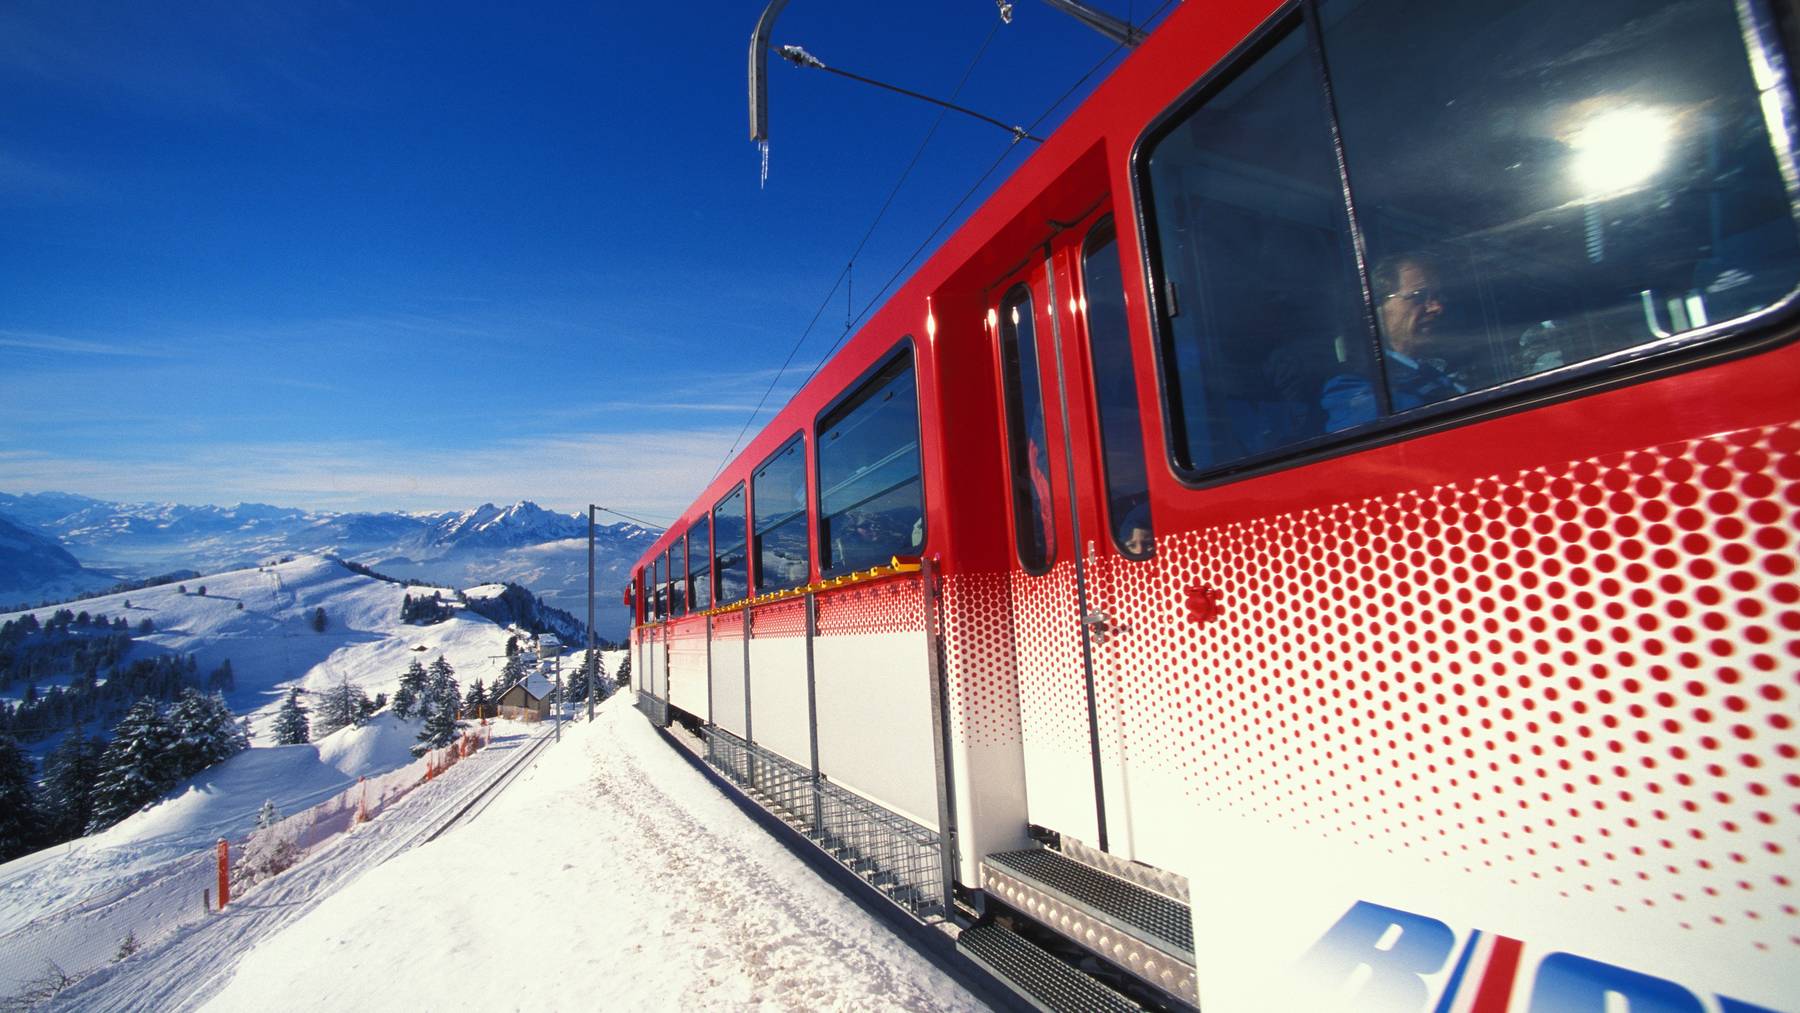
224	873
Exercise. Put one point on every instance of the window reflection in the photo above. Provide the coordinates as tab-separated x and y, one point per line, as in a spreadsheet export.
728	547
1027	446
779	499
871	504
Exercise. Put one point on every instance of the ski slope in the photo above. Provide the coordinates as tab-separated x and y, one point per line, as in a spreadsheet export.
611	876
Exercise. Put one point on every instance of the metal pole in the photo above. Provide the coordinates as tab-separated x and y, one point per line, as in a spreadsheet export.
590	653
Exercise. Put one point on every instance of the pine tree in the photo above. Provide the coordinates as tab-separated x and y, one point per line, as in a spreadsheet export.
440	727
443	679
135	767
515	669
412	683
623	675
318	619
206	732
21	813
291	726
476	703
70	772
268	815
222	680
343	705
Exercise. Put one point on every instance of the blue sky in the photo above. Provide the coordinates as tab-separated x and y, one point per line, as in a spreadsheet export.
409	255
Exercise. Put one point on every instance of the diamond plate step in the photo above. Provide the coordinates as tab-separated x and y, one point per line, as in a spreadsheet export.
1044	981
1140	930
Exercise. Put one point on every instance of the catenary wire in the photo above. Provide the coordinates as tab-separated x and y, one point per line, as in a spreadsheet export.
850	263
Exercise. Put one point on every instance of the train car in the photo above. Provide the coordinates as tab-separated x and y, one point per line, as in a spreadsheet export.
1321	535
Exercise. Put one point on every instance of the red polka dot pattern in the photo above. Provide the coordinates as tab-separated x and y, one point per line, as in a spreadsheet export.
780	619
1581	676
887	606
979	673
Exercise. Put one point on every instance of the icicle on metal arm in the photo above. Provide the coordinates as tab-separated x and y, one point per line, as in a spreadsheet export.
799	57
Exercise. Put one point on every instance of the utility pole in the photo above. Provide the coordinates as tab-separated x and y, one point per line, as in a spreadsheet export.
590	631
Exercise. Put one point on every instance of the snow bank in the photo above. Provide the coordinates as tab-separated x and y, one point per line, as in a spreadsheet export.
612	876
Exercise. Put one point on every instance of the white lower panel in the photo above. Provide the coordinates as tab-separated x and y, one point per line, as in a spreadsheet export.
687	676
659	668
728	685
778	716
874	700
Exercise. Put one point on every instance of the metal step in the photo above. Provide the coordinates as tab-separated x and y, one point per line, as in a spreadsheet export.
1144	932
1044	981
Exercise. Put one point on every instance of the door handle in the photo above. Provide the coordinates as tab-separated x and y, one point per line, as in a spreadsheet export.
1099	622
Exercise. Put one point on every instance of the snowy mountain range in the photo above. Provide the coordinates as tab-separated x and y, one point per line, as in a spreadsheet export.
524	543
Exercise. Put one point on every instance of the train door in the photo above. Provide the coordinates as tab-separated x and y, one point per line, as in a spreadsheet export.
1064	782
1082	526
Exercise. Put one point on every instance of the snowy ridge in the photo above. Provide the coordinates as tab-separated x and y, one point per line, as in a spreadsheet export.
541	549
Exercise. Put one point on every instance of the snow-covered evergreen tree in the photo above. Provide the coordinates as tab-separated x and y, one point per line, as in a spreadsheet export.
476	703
291	726
442	682
412	683
623	675
343	705
205	732
69	775
21	815
516	667
268	815
440	727
135	768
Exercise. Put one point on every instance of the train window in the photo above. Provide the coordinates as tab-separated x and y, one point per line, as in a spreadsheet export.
1542	183
656	589
677	579
1539	188
1260	301
778	498
1027	445
871	502
699	555
729	539
1115	392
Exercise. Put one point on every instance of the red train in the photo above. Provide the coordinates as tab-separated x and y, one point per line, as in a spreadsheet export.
1321	535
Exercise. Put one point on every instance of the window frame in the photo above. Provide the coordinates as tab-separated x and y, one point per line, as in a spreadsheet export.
1110	222
1011	398
677	603
805	513
906	348
743	488
702	523
1715	343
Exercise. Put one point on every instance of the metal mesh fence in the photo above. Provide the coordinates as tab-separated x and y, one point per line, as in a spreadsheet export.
656	710
899	857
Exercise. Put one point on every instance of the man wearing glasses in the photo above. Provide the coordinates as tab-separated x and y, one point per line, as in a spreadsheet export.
1409	308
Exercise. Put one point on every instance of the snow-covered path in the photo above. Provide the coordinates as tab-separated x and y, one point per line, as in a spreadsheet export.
190	967
611	876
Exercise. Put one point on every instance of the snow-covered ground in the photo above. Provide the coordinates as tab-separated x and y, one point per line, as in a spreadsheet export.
612	876
272	645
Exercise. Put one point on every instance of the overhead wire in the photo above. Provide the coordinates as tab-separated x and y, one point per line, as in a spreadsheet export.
850	325
926	243
850	263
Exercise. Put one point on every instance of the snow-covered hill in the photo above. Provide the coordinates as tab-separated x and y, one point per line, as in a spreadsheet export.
524	543
33	565
272	645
